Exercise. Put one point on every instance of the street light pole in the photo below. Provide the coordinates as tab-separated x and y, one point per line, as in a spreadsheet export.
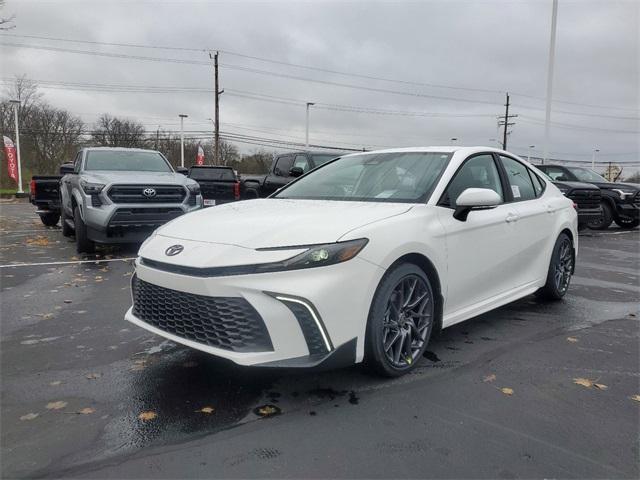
307	134
593	158
550	65
16	105
531	147
182	117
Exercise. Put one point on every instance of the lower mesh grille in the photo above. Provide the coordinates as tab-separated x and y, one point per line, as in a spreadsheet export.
230	323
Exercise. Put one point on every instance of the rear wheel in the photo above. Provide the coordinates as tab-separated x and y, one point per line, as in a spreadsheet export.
604	220
50	219
560	269
628	222
83	244
400	321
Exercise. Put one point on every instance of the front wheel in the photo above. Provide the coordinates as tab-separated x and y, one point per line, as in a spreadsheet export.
50	219
604	220
628	222
560	269
400	321
83	244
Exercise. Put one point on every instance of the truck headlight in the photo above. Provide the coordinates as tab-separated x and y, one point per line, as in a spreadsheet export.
91	188
194	189
316	255
563	189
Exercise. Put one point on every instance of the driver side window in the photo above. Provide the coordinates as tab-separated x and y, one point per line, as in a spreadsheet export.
477	172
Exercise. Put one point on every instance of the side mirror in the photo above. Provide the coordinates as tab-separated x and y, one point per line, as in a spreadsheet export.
296	171
66	168
182	170
475	199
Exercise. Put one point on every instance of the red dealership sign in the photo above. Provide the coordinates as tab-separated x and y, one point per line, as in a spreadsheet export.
200	156
12	159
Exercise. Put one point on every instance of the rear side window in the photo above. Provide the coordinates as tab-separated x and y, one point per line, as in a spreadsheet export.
477	172
538	183
519	179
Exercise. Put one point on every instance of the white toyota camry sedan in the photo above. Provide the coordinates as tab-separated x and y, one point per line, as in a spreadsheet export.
359	260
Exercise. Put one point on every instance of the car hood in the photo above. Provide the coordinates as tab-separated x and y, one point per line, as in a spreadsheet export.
136	178
616	185
577	185
273	222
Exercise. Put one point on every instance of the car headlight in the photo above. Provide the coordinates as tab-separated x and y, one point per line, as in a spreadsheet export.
91	188
623	193
194	189
315	255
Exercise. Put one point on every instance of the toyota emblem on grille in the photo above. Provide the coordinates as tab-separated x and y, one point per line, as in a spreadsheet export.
149	192
173	250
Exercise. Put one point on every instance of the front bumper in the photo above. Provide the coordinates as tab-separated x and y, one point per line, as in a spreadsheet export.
586	215
312	317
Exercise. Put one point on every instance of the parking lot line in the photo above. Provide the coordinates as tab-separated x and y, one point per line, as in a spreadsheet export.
71	262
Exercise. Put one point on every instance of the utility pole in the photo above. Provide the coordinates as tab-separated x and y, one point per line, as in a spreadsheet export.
593	158
531	147
504	121
552	54
216	136
306	142
16	105
182	117
157	137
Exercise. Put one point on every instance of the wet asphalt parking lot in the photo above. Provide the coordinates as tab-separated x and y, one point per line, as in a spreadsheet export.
530	390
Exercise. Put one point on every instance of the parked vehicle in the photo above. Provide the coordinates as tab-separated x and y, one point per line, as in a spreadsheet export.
620	201
587	198
44	193
218	184
284	168
360	260
120	195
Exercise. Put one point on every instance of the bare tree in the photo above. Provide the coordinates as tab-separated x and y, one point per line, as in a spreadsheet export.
55	135
6	23
116	132
228	153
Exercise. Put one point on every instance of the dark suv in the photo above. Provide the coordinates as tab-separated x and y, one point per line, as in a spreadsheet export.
620	201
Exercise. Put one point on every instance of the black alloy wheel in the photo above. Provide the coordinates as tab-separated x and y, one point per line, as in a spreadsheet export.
563	268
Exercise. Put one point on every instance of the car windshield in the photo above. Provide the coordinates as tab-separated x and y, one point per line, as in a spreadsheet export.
126	161
323	158
586	175
402	177
212	173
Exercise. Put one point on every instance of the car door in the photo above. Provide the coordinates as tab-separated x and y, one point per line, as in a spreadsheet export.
279	177
536	219
66	184
482	250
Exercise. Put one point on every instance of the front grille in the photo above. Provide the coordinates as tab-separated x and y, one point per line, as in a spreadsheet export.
586	198
135	194
636	200
230	323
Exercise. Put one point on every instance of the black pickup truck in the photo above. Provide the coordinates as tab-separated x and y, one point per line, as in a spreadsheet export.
620	202
284	168
218	184
44	193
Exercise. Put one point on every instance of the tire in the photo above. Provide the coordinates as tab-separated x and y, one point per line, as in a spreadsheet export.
604	220
560	269
251	193
83	244
627	222
67	231
400	287
50	219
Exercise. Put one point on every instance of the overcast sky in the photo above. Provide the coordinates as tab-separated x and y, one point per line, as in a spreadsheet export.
482	48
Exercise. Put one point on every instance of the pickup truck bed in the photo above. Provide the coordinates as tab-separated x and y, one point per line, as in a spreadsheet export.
44	193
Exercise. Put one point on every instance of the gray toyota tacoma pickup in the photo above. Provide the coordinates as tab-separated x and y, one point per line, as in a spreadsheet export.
120	195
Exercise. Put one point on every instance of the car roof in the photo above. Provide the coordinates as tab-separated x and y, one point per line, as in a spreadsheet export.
119	149
438	149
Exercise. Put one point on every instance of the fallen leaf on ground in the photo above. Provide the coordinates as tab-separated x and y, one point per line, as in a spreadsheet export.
29	416
266	410
87	411
489	378
600	386
56	383
93	376
507	391
39	241
206	410
56	405
636	398
572	339
585	382
146	416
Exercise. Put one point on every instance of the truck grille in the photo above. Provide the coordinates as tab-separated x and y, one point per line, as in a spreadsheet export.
636	200
230	323
135	194
586	198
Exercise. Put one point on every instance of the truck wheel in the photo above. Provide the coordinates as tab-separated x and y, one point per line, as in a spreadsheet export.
628	222
560	270
67	231
83	244
50	219
604	220
251	193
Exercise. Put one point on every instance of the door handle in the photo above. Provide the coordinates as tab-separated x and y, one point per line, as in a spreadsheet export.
512	217
550	209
